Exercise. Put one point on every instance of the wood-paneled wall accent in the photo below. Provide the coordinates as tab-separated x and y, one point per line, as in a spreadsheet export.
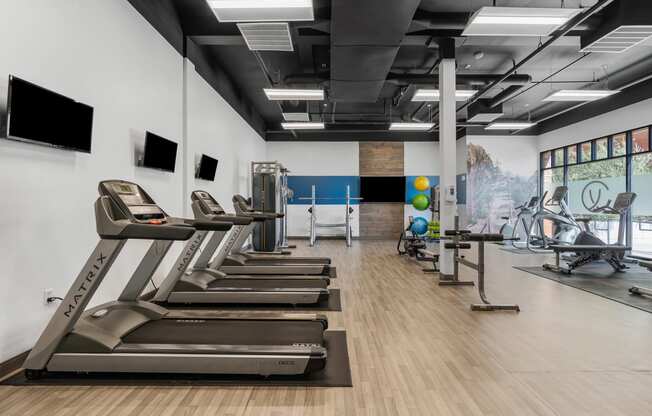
381	159
381	221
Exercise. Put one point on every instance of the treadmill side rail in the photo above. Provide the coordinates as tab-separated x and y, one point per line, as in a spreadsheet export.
73	305
185	363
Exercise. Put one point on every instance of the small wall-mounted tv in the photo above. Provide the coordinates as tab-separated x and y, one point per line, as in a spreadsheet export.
382	189
160	153
40	116
207	168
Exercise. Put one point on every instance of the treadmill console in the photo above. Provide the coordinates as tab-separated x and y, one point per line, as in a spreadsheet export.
208	204
133	201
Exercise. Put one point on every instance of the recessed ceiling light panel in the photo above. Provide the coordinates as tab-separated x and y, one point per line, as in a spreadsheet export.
296	117
267	36
484	117
303	126
411	126
281	94
434	95
262	10
510	125
517	21
620	39
579	95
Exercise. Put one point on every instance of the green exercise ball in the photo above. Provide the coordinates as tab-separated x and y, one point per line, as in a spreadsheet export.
421	202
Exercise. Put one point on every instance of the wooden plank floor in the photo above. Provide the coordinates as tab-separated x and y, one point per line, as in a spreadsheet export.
417	349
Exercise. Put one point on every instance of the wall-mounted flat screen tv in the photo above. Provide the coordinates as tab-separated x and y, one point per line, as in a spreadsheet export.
160	153
40	116
382	189
207	168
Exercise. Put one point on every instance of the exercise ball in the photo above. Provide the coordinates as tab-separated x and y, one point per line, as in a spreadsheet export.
419	226
421	183
421	202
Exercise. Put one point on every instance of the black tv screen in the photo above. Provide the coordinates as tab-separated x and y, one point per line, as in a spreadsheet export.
207	168
40	116
160	153
382	188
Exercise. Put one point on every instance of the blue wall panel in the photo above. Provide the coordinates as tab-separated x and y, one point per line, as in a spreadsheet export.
326	187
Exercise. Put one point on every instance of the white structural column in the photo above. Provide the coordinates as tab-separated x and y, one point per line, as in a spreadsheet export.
447	159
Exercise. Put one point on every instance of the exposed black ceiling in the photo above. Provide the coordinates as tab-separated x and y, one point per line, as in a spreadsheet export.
371	55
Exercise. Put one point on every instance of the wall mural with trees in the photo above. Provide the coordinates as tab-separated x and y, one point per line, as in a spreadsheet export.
502	174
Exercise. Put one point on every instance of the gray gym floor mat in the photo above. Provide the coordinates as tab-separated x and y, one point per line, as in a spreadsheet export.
514	250
332	304
337	373
600	279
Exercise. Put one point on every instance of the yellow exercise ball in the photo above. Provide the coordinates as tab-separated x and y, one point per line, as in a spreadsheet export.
421	183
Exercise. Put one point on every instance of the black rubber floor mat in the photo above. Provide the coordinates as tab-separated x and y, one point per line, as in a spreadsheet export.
333	304
336	374
600	279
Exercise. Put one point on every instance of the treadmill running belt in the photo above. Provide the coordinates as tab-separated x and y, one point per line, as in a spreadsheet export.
200	331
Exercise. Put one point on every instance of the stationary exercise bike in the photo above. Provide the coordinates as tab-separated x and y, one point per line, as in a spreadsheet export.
409	242
415	246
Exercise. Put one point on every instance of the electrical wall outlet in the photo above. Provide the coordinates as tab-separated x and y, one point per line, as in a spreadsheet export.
47	294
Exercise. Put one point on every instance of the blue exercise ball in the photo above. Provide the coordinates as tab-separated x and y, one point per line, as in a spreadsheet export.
419	226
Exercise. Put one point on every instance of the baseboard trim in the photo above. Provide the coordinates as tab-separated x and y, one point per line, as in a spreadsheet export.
321	237
12	365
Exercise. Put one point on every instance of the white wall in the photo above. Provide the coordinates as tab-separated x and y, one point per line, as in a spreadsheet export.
622	119
105	54
216	130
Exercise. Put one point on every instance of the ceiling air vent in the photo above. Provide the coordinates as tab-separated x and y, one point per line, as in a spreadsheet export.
267	36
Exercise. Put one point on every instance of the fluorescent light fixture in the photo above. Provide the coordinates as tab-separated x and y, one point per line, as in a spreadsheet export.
267	36
579	95
620	39
296	117
411	126
303	126
484	117
510	125
280	94
433	95
517	21
262	10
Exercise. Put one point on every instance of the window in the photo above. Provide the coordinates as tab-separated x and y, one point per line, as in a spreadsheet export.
546	160
559	157
619	145
641	140
595	171
552	178
602	148
585	152
642	208
571	154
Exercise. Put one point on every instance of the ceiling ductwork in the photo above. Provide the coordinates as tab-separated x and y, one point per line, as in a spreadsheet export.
421	79
365	38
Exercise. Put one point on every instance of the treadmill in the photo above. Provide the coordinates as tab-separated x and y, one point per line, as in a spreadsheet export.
209	286
230	261
133	336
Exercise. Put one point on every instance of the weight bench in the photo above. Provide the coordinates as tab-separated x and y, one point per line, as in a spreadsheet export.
611	253
638	290
424	254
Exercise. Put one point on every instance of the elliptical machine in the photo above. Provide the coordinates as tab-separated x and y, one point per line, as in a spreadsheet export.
516	232
565	228
589	248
